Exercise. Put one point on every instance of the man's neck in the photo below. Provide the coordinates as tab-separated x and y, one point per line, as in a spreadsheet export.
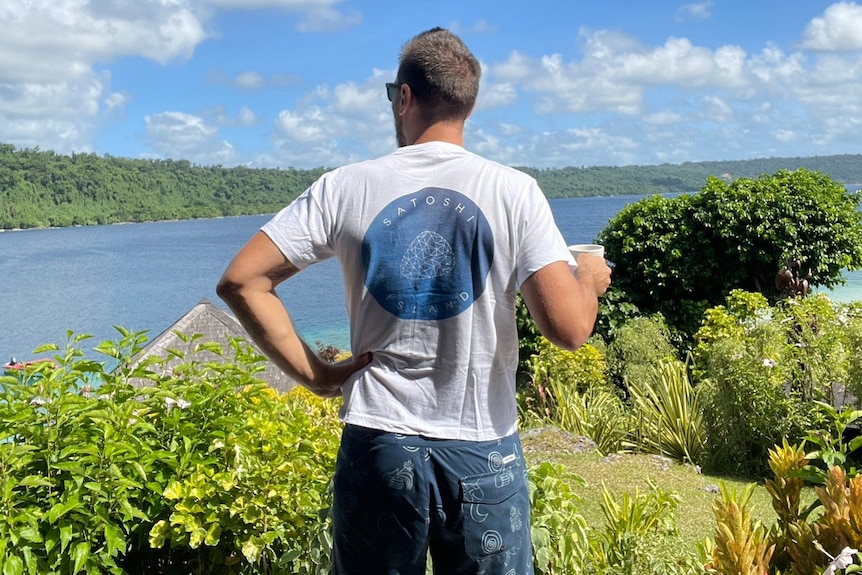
449	132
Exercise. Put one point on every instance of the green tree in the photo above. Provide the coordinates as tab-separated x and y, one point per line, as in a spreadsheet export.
679	256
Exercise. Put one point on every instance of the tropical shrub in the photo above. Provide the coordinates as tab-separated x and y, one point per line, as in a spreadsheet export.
747	406
682	255
850	317
205	469
639	536
559	532
741	543
667	414
570	390
636	349
763	372
528	339
802	541
615	311
578	370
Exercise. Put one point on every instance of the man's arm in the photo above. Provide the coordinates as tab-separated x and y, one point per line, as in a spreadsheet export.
565	305
248	288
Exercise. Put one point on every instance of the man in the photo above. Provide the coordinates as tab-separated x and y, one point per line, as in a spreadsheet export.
433	242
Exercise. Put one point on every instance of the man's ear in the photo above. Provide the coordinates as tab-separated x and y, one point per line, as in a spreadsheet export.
407	99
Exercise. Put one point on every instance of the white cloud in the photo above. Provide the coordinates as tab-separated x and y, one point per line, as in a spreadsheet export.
663	118
310	126
249	81
180	135
615	100
696	11
839	29
115	101
63	38
49	50
717	110
508	129
328	19
317	15
297	5
351	98
517	68
785	136
483	27
331	127
496	95
246	117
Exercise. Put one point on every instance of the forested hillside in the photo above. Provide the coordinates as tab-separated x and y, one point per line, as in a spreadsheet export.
686	177
41	188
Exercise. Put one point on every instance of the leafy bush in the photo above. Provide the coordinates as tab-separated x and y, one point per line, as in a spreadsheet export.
801	541
764	370
202	470
681	255
615	311
570	389
637	348
639	536
559	533
668	414
578	370
747	407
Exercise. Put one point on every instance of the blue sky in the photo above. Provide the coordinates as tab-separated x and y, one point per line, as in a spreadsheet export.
299	83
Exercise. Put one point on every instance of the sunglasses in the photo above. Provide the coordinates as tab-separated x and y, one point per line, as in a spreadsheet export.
392	89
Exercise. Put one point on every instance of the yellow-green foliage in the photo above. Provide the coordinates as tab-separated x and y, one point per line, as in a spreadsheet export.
742	312
570	390
203	470
559	532
762	371
579	370
741	543
637	348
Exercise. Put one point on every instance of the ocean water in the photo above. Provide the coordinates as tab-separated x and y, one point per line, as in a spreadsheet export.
144	277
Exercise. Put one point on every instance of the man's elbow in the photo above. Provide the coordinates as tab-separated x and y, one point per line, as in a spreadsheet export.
566	335
573	338
229	290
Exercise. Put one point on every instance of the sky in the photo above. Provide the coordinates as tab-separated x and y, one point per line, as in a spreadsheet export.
300	83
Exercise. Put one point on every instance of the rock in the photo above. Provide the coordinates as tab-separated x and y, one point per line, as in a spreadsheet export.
662	462
612	457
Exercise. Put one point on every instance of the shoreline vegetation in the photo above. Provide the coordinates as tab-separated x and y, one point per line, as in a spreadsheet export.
43	189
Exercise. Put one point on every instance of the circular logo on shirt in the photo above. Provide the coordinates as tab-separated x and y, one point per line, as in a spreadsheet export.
427	255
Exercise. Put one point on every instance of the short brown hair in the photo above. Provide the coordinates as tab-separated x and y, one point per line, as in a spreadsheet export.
442	74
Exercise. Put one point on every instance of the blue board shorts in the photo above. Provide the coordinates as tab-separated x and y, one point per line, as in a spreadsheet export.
397	497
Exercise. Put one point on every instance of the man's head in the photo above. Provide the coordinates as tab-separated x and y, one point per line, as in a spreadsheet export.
442	75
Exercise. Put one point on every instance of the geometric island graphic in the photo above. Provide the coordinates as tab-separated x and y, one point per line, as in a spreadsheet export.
428	256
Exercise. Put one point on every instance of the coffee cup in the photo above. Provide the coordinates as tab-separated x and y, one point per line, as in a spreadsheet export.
591	249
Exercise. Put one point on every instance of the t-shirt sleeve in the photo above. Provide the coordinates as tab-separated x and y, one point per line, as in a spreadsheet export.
542	243
302	230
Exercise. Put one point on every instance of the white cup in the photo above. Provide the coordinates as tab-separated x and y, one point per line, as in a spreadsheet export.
592	249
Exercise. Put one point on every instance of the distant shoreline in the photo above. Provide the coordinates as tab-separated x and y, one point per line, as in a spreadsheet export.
3	230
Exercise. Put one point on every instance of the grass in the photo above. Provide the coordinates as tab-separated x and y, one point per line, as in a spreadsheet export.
630	472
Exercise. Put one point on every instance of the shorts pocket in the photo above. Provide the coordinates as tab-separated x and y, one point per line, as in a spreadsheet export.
494	511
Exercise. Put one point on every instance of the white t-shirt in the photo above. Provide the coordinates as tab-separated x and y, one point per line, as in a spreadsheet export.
433	242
